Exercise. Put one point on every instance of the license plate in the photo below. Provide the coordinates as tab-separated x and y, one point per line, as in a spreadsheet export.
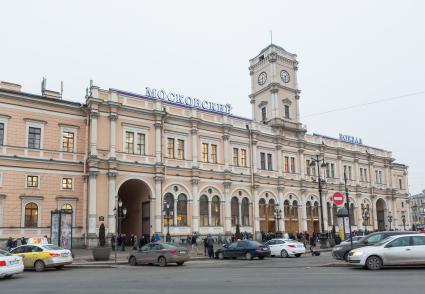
13	262
64	254
183	252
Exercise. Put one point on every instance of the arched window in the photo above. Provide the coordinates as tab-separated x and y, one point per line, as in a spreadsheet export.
31	215
245	212
203	210
235	211
67	206
215	211
182	210
308	209
271	208
286	209
329	212
168	209
352	214
316	210
262	207
294	209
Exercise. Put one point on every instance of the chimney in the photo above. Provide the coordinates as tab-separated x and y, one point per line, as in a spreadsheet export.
10	86
51	94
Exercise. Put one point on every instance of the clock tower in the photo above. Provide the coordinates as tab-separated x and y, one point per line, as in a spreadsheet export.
274	88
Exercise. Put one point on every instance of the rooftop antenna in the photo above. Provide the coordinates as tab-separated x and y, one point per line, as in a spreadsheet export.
271	37
61	88
43	85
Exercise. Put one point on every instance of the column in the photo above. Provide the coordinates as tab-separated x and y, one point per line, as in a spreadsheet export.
112	135
279	160
303	224
195	205
226	151
340	168
240	213
254	155
158	204
209	213
325	211
93	133
301	163
158	143
92	202
175	212
280	190
228	212
356	171
256	209
112	199
194	137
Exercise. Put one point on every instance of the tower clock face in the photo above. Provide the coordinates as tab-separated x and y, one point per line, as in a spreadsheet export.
284	75
262	78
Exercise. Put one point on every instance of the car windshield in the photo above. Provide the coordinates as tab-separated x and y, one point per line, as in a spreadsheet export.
255	243
4	253
52	247
168	246
383	241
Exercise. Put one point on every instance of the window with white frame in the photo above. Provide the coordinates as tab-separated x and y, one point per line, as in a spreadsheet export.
2	133
289	164
34	137
243	157
330	170
263	113
68	141
378	176
175	148
400	184
209	152
67	183
286	111
310	169
214	153
170	147
32	181
348	172
262	160
363	174
180	149
134	142
236	156
266	161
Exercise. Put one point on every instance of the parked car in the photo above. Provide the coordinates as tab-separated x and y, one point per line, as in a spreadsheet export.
10	265
246	248
40	257
394	250
341	251
285	247
159	253
355	239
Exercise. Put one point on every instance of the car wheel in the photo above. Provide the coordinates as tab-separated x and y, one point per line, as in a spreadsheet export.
284	253
133	261
298	255
162	261
39	266
8	276
346	256
59	267
180	263
374	263
248	256
220	256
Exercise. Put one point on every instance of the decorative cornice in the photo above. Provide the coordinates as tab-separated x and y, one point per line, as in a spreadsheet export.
113	116
32	197
94	114
227	184
157	124
112	173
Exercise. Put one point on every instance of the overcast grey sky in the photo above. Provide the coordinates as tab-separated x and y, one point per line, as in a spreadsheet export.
348	54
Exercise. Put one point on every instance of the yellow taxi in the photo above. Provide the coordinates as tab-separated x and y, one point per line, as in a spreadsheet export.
39	256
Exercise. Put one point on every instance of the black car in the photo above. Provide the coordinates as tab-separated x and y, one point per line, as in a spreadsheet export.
341	251
246	249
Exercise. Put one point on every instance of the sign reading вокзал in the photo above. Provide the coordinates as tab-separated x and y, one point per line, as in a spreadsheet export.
188	101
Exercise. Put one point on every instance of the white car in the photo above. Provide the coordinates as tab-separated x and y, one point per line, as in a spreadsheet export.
395	250
285	247
10	265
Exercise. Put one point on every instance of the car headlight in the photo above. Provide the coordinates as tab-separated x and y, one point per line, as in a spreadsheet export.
357	253
336	248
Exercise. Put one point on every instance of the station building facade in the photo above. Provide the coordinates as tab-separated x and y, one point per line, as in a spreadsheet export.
215	170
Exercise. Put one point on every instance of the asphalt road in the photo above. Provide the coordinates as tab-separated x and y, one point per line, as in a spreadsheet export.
202	277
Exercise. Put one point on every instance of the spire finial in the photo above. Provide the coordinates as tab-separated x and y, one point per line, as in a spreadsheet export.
271	37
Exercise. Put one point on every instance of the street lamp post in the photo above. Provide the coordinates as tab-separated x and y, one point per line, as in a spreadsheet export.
119	214
314	161
365	219
168	213
390	218
348	210
278	216
403	219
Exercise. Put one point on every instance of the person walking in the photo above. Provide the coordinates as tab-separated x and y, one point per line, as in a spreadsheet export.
23	241
113	242
9	244
210	243
135	242
193	243
205	246
313	240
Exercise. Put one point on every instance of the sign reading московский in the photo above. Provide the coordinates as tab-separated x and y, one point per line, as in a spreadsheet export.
188	101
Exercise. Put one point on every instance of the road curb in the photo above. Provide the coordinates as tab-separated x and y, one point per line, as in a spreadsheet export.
335	265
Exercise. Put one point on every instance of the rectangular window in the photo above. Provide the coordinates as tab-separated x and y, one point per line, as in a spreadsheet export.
263	113
32	181
293	165
236	156
380	177
180	149
286	164
1	133
263	160
400	184
365	174
286	111
243	157
140	144
129	142
376	177
328	170
332	170
67	183
204	152
170	147
361	174
68	141
34	138
213	153
269	162
350	175
307	167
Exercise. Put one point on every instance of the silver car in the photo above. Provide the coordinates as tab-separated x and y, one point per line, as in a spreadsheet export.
395	250
159	253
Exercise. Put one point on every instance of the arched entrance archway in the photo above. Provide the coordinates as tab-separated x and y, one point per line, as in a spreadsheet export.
380	214
134	195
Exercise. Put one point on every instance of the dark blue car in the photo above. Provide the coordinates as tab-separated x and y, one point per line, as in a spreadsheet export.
246	249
